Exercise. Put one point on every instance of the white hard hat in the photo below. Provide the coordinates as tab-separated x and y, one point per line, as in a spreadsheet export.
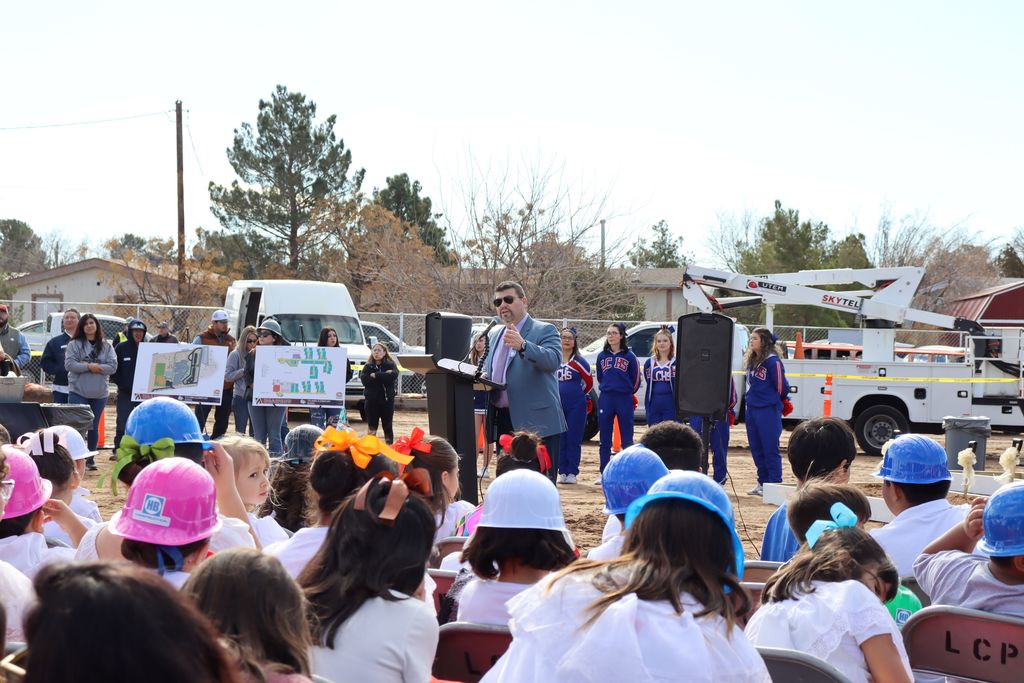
219	316
522	499
71	439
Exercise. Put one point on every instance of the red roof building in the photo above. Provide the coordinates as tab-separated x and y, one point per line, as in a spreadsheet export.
999	306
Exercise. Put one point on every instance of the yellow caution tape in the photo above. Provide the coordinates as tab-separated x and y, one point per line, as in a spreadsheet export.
884	379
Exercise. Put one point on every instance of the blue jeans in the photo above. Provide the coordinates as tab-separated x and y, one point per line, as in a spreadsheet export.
97	405
321	417
266	424
59	397
240	408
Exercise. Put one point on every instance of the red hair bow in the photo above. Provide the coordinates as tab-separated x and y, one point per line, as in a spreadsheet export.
413	442
543	458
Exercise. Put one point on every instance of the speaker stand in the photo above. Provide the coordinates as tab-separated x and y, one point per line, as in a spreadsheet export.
705	442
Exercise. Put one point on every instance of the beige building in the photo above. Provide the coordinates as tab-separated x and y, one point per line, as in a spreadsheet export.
90	280
659	288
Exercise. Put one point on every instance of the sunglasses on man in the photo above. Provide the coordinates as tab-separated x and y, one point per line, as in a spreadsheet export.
508	298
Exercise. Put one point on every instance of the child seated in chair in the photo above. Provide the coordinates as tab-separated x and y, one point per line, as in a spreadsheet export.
951	574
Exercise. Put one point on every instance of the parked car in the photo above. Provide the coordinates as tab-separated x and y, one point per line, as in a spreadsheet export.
390	340
38	332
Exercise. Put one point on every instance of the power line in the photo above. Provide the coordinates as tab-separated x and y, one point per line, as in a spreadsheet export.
84	123
191	143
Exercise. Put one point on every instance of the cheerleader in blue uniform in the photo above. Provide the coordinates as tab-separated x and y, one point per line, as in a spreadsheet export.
660	375
767	401
618	375
574	384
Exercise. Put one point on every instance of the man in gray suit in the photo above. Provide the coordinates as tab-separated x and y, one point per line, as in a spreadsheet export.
524	355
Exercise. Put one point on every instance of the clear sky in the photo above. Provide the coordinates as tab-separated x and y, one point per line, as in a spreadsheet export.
678	110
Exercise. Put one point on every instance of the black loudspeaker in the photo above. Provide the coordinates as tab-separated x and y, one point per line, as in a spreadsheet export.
703	365
447	335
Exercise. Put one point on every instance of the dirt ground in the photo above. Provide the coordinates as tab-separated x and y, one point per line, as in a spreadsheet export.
583	502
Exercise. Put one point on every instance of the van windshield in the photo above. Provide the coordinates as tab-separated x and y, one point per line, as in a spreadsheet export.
347	327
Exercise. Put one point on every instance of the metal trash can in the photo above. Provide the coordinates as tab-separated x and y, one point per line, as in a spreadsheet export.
961	430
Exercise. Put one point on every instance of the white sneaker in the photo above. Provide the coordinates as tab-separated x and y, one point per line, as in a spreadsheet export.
597	482
482	474
756	491
560	479
570	479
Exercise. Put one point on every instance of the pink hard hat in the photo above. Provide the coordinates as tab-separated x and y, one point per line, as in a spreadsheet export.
172	502
30	490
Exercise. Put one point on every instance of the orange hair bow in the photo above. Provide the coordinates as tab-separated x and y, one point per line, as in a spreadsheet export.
362	448
413	442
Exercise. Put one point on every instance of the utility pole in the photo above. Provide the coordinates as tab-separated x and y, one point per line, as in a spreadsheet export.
602	244
181	206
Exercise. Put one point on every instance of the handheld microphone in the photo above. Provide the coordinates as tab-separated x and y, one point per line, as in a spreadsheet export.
487	344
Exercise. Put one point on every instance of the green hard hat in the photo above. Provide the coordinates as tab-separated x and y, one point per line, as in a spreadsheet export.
903	605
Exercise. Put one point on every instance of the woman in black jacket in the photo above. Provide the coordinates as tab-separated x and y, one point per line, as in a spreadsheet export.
379	376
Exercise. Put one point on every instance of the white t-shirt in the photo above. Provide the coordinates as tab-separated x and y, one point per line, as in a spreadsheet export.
830	623
385	641
452	562
483	602
640	641
18	595
233	533
909	532
175	578
456	511
296	552
608	550
83	507
268	530
54	530
612	528
28	553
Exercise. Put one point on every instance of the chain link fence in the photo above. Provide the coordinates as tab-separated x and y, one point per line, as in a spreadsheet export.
402	333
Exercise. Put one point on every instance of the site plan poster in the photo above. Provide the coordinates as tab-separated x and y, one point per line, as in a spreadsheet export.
300	376
191	373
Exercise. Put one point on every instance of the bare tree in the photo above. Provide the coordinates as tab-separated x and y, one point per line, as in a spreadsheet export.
532	225
955	266
733	235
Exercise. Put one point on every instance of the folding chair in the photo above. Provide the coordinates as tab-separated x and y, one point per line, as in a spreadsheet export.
465	651
911	583
758	571
447	546
966	644
444	580
792	666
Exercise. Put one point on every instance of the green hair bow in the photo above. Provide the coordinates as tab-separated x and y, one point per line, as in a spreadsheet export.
131	451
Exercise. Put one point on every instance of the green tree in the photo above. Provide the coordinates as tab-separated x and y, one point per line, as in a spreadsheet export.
288	165
783	243
850	252
665	250
402	198
21	249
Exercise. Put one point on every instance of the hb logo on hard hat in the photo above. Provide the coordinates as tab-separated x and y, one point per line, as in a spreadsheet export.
152	511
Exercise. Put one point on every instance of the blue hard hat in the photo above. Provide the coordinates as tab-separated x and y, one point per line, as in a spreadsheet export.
628	476
161	417
1003	522
914	459
298	444
692	487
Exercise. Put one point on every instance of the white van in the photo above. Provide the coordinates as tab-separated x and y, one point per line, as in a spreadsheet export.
303	308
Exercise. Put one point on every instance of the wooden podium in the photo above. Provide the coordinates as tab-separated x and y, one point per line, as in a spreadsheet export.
450	410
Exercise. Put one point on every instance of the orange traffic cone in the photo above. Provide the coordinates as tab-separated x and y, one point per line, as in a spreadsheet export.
616	438
481	441
101	437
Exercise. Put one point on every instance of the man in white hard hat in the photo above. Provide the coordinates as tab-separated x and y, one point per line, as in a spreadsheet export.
217	335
